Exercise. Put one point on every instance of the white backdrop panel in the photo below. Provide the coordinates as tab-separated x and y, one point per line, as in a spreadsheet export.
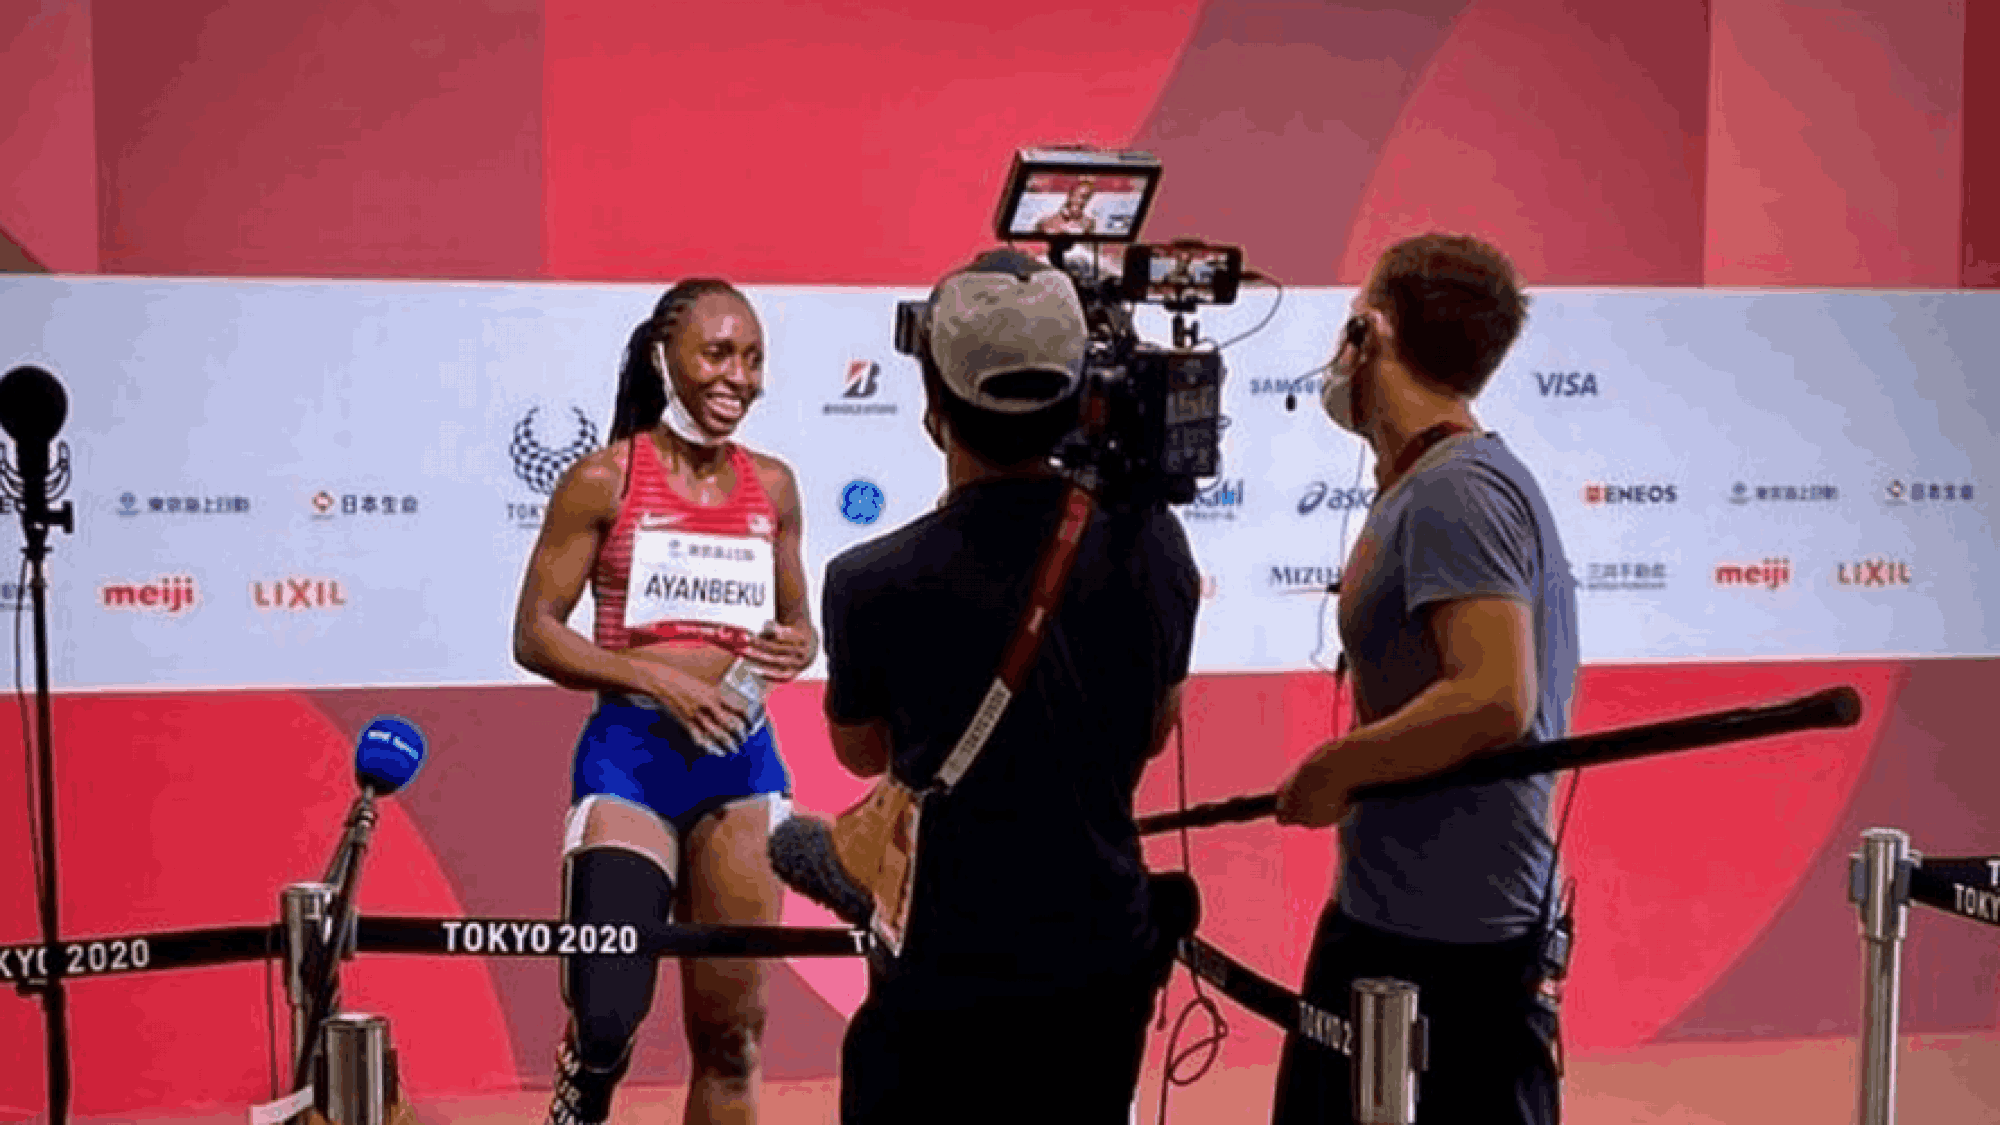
239	440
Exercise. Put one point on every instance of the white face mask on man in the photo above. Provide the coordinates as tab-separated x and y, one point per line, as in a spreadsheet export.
1336	391
676	416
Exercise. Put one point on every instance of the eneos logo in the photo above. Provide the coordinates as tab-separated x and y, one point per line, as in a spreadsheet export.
1595	494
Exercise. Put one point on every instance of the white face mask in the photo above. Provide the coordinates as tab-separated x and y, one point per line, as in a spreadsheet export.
1336	397
676	416
1336	390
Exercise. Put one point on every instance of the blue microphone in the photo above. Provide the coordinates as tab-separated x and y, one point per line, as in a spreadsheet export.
388	754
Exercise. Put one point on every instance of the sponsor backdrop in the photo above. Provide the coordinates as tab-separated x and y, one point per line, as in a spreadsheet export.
313	484
303	504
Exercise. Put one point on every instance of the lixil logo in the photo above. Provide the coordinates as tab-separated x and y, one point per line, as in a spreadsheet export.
1873	573
298	593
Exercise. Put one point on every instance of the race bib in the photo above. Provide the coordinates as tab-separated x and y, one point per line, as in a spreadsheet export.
713	579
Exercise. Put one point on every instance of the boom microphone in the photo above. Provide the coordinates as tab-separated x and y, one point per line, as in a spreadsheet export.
1834	707
802	854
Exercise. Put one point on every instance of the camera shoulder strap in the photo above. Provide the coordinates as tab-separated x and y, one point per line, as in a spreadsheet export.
1051	576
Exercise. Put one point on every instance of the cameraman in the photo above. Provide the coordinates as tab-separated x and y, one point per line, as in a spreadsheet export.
1030	961
1458	611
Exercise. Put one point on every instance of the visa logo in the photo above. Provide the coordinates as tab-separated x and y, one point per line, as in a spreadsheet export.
1566	384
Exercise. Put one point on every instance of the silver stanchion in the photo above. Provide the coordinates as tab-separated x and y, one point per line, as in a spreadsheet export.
1879	884
1389	1053
304	908
360	1074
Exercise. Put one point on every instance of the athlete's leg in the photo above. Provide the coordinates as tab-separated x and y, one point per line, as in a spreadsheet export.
729	880
616	864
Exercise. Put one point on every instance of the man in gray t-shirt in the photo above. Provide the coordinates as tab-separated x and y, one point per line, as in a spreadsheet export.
1458	614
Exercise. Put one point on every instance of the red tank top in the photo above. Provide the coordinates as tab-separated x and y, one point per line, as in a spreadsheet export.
722	580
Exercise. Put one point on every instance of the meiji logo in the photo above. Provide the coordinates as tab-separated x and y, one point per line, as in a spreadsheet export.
1218	501
1319	494
298	593
1770	574
1630	494
170	595
1566	384
863	380
1873	573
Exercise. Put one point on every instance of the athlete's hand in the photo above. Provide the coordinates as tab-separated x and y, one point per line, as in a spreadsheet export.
715	718
780	652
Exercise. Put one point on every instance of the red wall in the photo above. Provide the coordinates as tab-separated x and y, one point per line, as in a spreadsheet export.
1679	143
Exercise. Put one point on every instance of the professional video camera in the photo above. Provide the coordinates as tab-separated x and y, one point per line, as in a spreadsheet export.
1153	415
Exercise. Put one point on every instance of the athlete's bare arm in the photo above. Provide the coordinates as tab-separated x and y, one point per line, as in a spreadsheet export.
791	648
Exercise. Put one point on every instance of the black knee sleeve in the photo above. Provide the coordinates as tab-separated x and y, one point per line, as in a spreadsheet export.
610	995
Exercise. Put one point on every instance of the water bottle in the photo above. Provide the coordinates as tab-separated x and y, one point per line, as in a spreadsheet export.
744	681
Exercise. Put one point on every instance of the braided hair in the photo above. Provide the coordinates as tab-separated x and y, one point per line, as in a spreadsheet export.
642	386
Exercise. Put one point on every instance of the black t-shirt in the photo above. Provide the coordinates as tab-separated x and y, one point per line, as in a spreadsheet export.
1029	874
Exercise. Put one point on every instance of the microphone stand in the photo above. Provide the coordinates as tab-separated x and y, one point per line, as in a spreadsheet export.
322	974
35	525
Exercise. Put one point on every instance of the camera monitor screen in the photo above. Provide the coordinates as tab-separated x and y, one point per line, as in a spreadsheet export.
1086	197
1209	274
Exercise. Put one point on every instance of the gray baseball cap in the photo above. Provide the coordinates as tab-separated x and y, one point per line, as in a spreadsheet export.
1007	312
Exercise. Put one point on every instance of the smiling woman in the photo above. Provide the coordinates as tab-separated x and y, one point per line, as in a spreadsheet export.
690	543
